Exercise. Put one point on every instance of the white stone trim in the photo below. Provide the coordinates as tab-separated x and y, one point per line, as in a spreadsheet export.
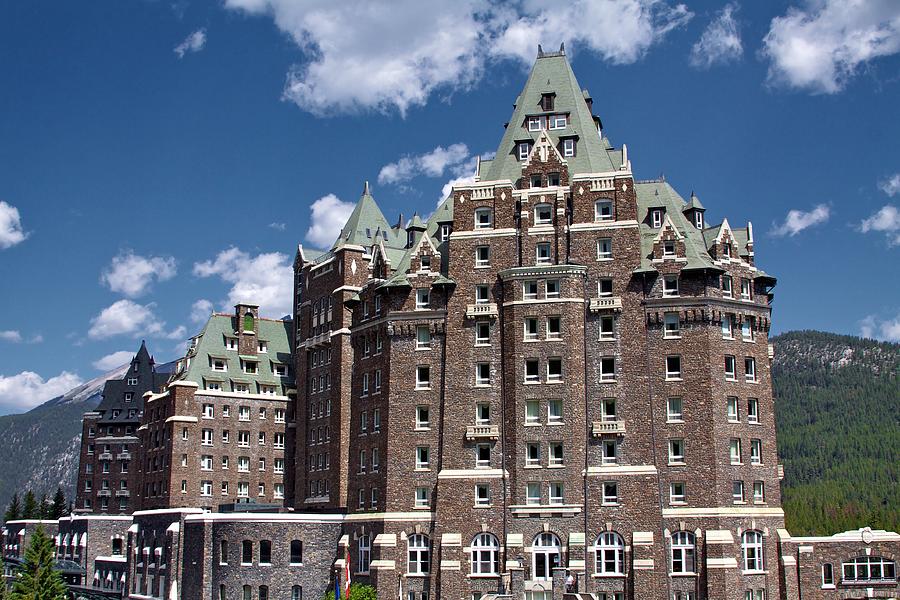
242	395
470	474
515	540
622	470
450	565
419	516
721	511
643	564
719	536
729	562
207	517
484	233
387	565
642	538
182	419
451	539
385	539
603	225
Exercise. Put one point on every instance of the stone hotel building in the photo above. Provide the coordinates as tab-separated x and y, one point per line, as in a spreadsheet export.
562	374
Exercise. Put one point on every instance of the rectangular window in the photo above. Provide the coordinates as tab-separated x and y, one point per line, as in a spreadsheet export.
554	370
745	290
483	374
656	216
422	417
605	287
421	497
827	575
554	328
747	329
542	254
532	412
727	286
735	451
536	123
728	327
610	492
482	256
603	210
208	411
524	149
365	385
608	410
244	413
529	290
206	437
531	329
737	491
668	249
422	458
730	368
551	288
532	374
555	491
533	493
556	454
733	411
554	412
673	367
568	147
676	451
543	213
482	294
607	369
753	410
756	452
558	122
484	218
670	286
423	298
553	179
608	451
604	249
423	337
759	492
607	328
532	454
676	492
750	369
482	333
483	455
672	326
423	377
482	413
376	460
482	494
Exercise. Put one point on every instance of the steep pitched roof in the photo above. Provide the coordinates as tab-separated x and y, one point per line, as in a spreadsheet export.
551	73
365	220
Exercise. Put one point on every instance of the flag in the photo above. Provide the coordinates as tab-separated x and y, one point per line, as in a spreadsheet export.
337	587
347	575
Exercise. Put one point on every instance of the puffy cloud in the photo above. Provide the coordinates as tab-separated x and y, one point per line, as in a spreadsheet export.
394	54
27	389
891	185
820	48
619	31
131	274
431	164
194	42
265	279
278	226
887	330
114	360
886	220
200	310
11	232
11	336
798	220
448	187
126	317
720	42
329	215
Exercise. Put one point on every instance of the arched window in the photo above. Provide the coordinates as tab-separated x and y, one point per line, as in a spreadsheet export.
247	592
752	549
485	555
263	592
296	552
364	554
867	569
248	321
683	552
545	555
419	555
610	554
296	593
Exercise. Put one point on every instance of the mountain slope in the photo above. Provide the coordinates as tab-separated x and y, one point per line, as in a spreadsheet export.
838	419
39	449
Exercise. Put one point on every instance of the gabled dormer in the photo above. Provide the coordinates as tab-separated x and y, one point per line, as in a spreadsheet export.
724	246
669	242
544	166
424	257
694	212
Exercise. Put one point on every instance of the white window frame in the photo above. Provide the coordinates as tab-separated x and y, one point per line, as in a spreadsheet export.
604	249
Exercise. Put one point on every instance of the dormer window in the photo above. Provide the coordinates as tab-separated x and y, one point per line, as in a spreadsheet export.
668	248
129	396
524	149
262	346
543	214
219	364
536	180
445	233
726	250
547	101
425	262
250	367
231	343
409	238
553	179
536	123
656	216
568	147
698	219
484	218
558	122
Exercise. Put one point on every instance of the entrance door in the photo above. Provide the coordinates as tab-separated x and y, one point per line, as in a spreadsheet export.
545	556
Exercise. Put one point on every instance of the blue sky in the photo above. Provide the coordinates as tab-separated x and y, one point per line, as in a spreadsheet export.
162	158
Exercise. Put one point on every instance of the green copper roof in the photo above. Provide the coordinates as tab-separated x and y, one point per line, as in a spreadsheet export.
655	194
694	203
365	220
551	73
211	343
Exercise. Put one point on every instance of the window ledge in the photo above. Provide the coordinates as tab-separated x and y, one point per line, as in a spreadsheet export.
754	572
685	574
533	467
674	378
483	506
422	429
679	463
675	421
607	575
609	504
828	586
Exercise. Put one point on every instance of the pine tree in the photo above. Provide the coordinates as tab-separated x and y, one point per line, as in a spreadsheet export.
14	510
30	506
37	580
4	592
59	507
44	507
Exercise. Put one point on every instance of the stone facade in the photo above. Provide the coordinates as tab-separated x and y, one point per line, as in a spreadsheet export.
96	543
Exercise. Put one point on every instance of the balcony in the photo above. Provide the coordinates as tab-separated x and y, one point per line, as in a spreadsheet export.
123	493
483	432
318	340
105	493
123	456
487	309
599	428
105	456
606	304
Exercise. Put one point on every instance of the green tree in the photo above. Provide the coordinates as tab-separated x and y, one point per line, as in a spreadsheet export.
4	593
30	506
36	579
358	591
59	508
44	507
14	510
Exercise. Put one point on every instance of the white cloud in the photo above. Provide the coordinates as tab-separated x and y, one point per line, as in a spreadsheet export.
431	164
126	317
887	330
36	339
798	220
131	274
11	232
886	220
720	42
194	42
329	215
891	185
264	279
111	361
200	310
28	389
394	54
278	226
822	46
11	336
448	187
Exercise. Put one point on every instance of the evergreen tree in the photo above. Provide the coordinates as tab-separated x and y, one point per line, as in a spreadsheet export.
4	593
14	510
37	580
30	506
59	507
44	507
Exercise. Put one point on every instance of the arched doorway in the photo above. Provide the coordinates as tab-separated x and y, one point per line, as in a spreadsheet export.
545	556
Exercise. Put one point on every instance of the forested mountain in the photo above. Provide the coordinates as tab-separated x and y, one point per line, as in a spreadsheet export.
838	416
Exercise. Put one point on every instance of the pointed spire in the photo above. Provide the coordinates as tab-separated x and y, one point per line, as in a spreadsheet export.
540	52
366	191
416	223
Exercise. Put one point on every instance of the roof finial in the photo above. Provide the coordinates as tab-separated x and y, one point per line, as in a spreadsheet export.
366	189
540	52
562	48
